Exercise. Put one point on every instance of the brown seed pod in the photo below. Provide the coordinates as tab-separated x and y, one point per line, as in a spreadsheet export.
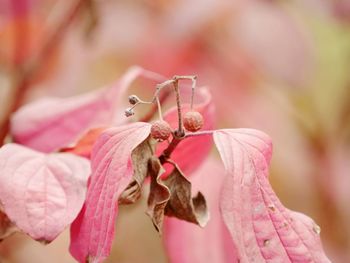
129	112
193	121
160	130
133	99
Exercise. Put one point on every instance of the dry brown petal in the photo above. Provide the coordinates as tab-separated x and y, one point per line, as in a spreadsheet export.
159	194
140	158
181	203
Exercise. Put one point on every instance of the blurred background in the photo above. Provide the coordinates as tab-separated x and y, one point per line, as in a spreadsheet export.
279	66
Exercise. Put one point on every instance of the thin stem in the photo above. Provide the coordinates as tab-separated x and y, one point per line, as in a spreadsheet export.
180	134
200	133
162	98
193	87
158	99
164	84
185	77
180	131
169	150
194	83
164	157
159	109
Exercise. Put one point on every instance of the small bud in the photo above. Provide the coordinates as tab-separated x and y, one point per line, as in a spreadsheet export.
160	130
129	112
133	99
193	121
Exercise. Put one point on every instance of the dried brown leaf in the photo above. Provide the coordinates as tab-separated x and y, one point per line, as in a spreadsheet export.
159	194
172	197
140	158
181	203
7	228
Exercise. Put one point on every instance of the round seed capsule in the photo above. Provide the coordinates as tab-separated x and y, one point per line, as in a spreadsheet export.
193	121
160	130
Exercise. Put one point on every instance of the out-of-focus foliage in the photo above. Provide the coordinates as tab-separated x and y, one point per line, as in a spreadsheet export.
279	66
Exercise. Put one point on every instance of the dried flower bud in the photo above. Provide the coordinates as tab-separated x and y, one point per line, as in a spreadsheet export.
160	130
193	121
133	99
129	112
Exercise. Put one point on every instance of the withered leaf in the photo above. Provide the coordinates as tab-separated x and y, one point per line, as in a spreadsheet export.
7	228
140	157
172	197
159	194
181	203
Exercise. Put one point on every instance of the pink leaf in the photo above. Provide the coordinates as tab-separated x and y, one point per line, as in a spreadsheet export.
41	194
197	147
261	227
93	231
186	242
52	123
